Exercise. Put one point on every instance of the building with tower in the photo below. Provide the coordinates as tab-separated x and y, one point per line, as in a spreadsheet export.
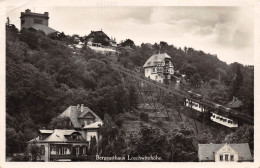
159	67
36	21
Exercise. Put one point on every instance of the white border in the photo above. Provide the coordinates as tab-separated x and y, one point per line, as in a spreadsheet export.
17	3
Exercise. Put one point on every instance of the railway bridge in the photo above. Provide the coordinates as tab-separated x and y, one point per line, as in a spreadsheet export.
209	105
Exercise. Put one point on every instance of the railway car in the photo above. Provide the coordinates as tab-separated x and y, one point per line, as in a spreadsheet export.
223	120
195	105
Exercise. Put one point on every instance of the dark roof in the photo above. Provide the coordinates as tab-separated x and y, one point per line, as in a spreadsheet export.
157	115
44	28
208	150
97	33
45	15
74	113
235	103
147	106
58	135
154	59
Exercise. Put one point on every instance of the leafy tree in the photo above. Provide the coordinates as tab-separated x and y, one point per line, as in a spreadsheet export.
128	42
133	97
30	38
93	146
182	145
238	80
34	152
152	141
244	134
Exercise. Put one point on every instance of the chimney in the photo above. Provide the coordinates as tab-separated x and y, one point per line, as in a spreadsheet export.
46	13
82	108
27	11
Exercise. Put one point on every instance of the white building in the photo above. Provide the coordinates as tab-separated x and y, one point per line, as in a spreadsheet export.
224	153
159	67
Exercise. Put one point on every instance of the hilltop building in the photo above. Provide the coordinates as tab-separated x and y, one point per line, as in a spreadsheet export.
100	42
224	153
36	21
159	67
97	37
65	144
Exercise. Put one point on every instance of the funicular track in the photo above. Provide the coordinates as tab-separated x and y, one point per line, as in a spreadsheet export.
210	105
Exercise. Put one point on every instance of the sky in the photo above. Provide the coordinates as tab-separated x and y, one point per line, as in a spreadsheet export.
227	32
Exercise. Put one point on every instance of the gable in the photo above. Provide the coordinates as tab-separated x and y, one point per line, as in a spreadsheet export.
88	115
226	149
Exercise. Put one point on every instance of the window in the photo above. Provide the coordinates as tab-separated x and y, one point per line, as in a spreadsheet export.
77	151
221	157
74	136
37	21
84	152
62	151
23	21
231	157
226	157
154	69
42	150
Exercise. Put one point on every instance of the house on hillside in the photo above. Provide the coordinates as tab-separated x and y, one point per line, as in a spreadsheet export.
151	107
159	67
224	153
235	104
36	21
97	37
60	145
65	144
83	119
99	42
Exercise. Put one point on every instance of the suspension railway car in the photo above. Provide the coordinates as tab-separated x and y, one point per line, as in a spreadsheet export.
222	119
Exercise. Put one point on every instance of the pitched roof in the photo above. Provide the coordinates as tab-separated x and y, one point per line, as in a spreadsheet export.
97	33
235	103
74	113
157	115
46	131
148	106
58	135
154	59
207	150
94	125
44	28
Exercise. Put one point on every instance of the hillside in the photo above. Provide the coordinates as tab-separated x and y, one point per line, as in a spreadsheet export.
45	76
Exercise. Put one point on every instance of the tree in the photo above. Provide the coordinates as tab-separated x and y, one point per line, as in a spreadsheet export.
152	141
112	142
30	38
34	152
182	145
93	146
128	42
133	97
238	80
244	134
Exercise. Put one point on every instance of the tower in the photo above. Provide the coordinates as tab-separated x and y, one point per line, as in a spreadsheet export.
29	19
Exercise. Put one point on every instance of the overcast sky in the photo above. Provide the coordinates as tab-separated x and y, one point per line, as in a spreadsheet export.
225	31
